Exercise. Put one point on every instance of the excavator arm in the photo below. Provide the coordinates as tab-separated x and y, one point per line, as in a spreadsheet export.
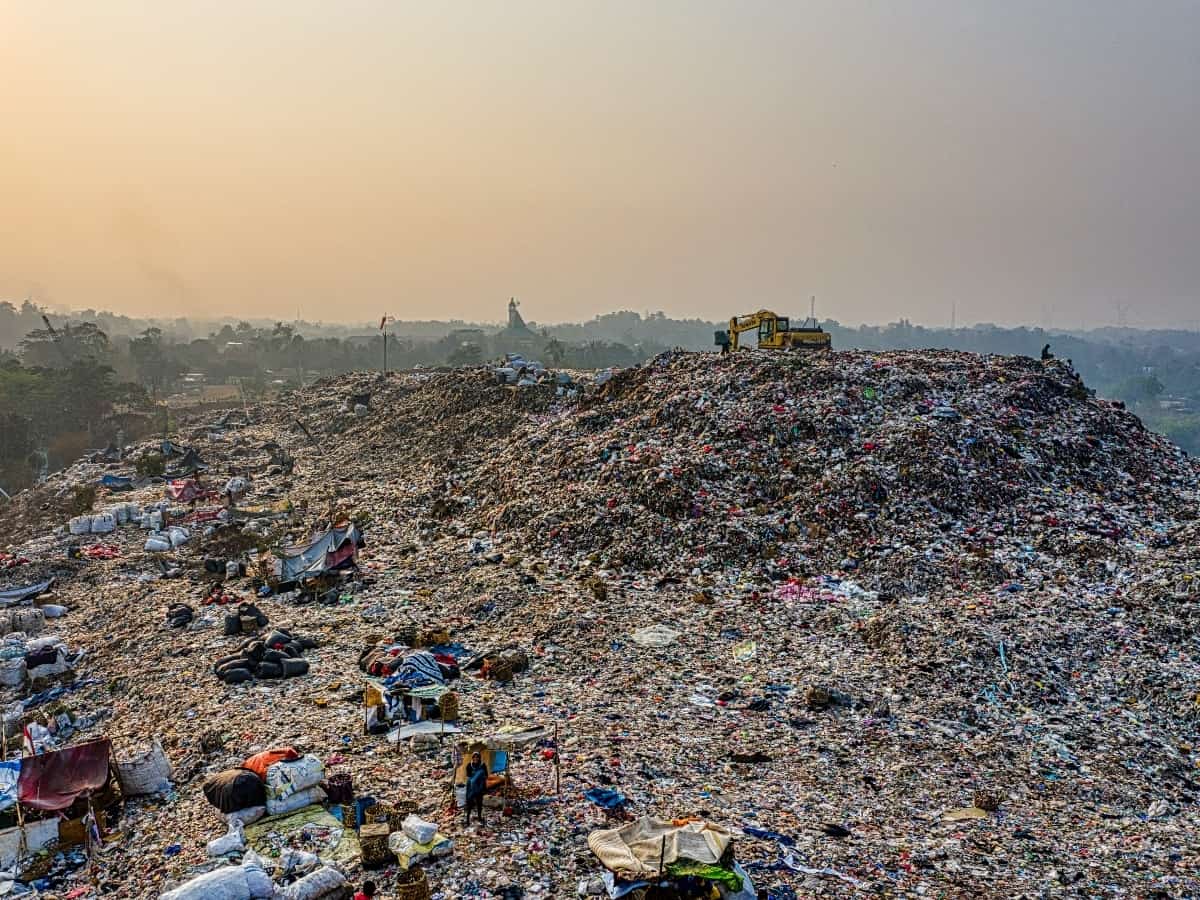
751	322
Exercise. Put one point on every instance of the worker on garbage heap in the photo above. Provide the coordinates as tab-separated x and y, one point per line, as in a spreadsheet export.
367	892
1046	354
477	775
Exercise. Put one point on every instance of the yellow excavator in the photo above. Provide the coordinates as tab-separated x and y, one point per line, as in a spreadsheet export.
774	333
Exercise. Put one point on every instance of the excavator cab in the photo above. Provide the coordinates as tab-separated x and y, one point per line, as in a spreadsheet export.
770	331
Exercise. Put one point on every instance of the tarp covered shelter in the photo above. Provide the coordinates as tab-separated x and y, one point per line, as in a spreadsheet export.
330	550
497	750
189	463
184	490
55	780
647	846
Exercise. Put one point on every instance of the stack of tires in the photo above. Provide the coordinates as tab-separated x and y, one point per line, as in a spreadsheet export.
247	620
279	655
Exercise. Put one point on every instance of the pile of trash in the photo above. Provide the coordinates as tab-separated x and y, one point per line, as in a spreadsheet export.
908	623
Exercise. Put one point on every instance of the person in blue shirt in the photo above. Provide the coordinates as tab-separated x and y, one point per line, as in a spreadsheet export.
477	775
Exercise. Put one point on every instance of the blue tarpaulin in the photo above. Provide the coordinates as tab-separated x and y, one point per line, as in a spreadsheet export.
10	772
605	797
327	551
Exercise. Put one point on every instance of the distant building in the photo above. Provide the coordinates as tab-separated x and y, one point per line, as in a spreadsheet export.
516	327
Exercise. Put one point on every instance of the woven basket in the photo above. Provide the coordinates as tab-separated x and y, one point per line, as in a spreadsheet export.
340	788
373	838
349	815
378	813
448	707
249	624
414	885
401	810
407	635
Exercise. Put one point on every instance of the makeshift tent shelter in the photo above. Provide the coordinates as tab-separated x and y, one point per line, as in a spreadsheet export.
498	750
335	548
185	490
695	854
69	788
647	846
55	780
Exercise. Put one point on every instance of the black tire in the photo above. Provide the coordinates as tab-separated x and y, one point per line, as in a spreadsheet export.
269	670
238	663
236	676
294	667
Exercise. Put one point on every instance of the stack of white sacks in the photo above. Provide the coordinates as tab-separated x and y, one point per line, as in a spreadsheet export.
417	841
294	784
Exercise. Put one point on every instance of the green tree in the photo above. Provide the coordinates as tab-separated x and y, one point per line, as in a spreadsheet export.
154	367
65	346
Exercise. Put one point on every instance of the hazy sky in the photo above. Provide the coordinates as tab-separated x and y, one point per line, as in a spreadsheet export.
1026	161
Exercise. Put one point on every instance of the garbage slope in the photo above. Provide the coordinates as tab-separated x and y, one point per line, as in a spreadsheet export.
782	593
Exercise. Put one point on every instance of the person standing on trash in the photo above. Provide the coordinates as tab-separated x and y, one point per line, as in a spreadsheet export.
367	892
477	776
1046	354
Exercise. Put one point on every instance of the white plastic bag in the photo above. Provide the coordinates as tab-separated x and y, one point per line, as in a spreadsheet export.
12	672
232	842
103	523
295	801
315	885
289	776
228	883
418	829
247	816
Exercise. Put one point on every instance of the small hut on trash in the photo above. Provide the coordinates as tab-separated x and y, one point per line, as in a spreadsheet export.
500	751
685	859
58	797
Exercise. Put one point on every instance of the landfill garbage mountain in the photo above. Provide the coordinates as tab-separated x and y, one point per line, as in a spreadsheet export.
907	623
